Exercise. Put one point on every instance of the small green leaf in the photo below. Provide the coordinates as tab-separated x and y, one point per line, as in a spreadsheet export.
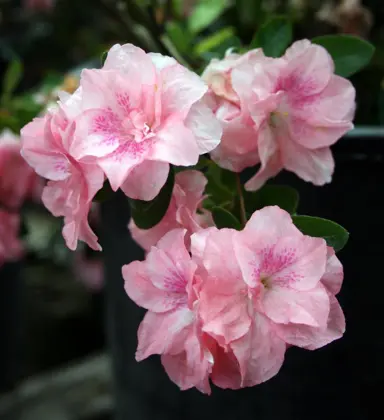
104	56
274	36
216	189
287	198
349	53
219	41
224	219
147	214
205	13
335	235
179	36
11	79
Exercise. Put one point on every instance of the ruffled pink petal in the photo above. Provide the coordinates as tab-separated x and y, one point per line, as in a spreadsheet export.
118	165
224	312
146	180
161	333
98	133
191	367
314	166
334	273
336	103
315	136
180	89
308	70
140	289
198	244
192	185
260	352
174	245
296	262
227	159
313	338
226	369
283	305
133	62
270	159
271	220
205	127
40	152
176	144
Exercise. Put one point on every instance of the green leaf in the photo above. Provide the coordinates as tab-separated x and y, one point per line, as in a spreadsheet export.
11	79
147	214
218	42
335	235
205	13
274	36
224	219
179	36
218	191
349	53
103	57
287	198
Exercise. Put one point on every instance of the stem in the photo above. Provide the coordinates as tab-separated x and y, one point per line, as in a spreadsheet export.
243	215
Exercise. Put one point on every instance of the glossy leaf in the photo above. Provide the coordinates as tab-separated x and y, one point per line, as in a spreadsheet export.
224	219
219	42
349	53
274	36
287	198
335	235
179	36
205	13
147	214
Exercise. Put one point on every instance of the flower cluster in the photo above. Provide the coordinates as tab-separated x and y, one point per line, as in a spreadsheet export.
186	201
284	113
18	182
223	304
128	122
231	319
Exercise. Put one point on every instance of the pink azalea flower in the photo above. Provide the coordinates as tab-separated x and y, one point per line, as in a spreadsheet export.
277	289
46	144
11	248
305	109
141	113
283	113
182	212
238	147
167	285
18	180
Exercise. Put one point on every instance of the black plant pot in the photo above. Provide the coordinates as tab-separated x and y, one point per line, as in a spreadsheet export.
11	333
344	380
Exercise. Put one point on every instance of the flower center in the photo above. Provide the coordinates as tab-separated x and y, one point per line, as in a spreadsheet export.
137	126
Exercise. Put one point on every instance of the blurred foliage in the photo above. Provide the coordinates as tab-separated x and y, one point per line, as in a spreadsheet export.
50	42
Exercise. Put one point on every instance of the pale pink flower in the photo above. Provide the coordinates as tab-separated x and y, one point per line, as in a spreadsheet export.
299	111
46	144
184	211
11	248
238	147
277	289
141	113
166	284
18	180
